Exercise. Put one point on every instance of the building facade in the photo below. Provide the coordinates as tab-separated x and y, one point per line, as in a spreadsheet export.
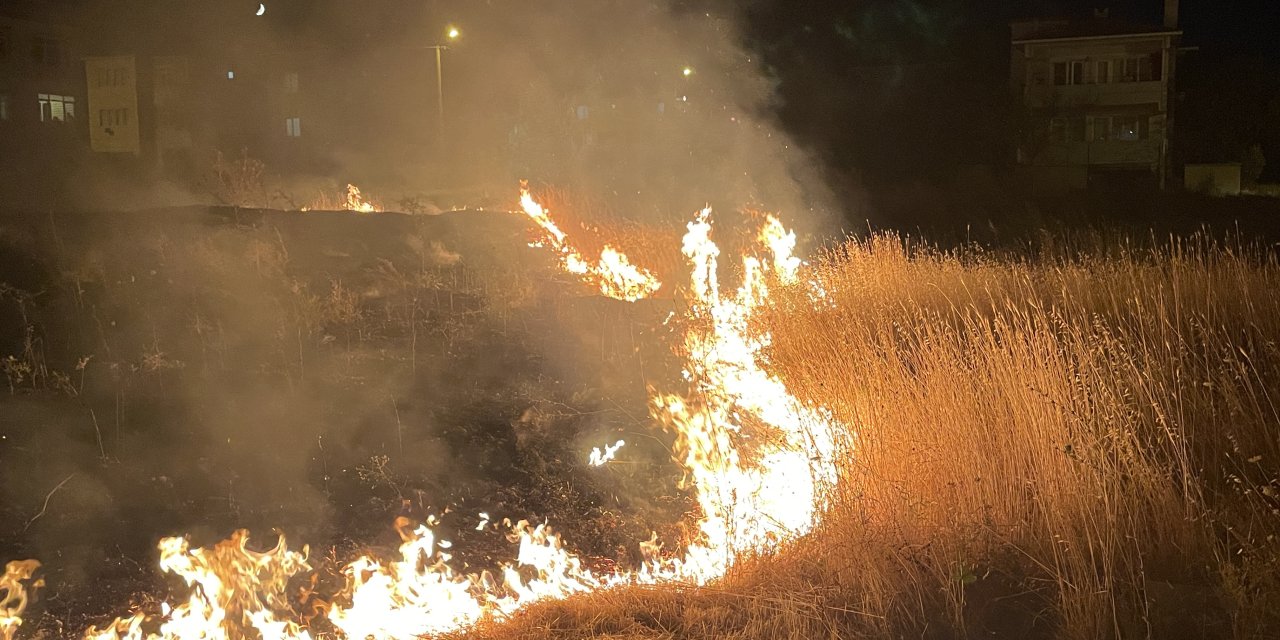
41	91
1094	99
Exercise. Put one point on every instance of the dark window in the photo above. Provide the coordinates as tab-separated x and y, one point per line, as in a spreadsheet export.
46	51
5	39
4	107
1060	73
1064	130
1077	72
1102	73
113	117
1102	129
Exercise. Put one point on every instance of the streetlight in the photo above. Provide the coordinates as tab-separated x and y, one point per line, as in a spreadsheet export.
451	34
686	72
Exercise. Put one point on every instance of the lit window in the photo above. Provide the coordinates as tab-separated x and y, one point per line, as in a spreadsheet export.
290	83
1129	128
231	75
293	127
56	108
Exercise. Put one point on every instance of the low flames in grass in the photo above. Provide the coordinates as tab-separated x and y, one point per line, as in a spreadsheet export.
612	273
759	462
351	200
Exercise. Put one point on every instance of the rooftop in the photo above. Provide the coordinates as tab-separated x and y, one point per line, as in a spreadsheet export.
1101	27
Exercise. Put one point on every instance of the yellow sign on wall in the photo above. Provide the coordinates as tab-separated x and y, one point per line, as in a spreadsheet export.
113	104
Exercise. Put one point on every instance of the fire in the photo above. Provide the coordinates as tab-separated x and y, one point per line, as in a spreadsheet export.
233	589
13	594
599	457
747	507
760	464
613	274
356	202
353	200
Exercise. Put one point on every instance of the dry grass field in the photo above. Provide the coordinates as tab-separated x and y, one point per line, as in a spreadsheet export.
1080	444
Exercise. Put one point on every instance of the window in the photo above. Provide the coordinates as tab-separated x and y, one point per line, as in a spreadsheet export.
290	83
113	117
4	107
231	75
113	77
582	112
1102	72
1141	68
1077	72
1064	130
46	51
293	127
1102	129
1129	128
56	108
5	38
1065	73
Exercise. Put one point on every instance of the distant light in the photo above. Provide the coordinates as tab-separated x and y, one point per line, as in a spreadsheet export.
687	71
231	75
262	8
453	33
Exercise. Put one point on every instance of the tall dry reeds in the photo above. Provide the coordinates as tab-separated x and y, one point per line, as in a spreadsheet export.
1095	434
1079	444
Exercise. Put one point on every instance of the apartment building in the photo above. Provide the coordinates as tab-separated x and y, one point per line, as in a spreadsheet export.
1094	97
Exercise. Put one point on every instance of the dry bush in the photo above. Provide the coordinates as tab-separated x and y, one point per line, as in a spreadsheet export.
238	182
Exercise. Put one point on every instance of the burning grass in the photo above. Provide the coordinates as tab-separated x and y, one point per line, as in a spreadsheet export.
1072	445
1076	445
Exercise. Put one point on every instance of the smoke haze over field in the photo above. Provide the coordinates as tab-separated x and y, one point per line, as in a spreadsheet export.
654	107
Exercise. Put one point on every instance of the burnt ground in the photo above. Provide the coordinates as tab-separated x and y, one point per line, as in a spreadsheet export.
196	371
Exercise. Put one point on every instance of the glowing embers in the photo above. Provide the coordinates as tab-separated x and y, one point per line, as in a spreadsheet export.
612	273
14	585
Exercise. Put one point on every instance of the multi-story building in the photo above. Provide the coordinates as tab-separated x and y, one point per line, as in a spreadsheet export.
1095	99
41	91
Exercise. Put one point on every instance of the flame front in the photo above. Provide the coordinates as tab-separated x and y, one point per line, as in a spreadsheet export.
759	461
613	274
233	589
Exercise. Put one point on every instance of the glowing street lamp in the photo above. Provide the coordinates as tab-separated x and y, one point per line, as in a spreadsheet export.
451	33
686	72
